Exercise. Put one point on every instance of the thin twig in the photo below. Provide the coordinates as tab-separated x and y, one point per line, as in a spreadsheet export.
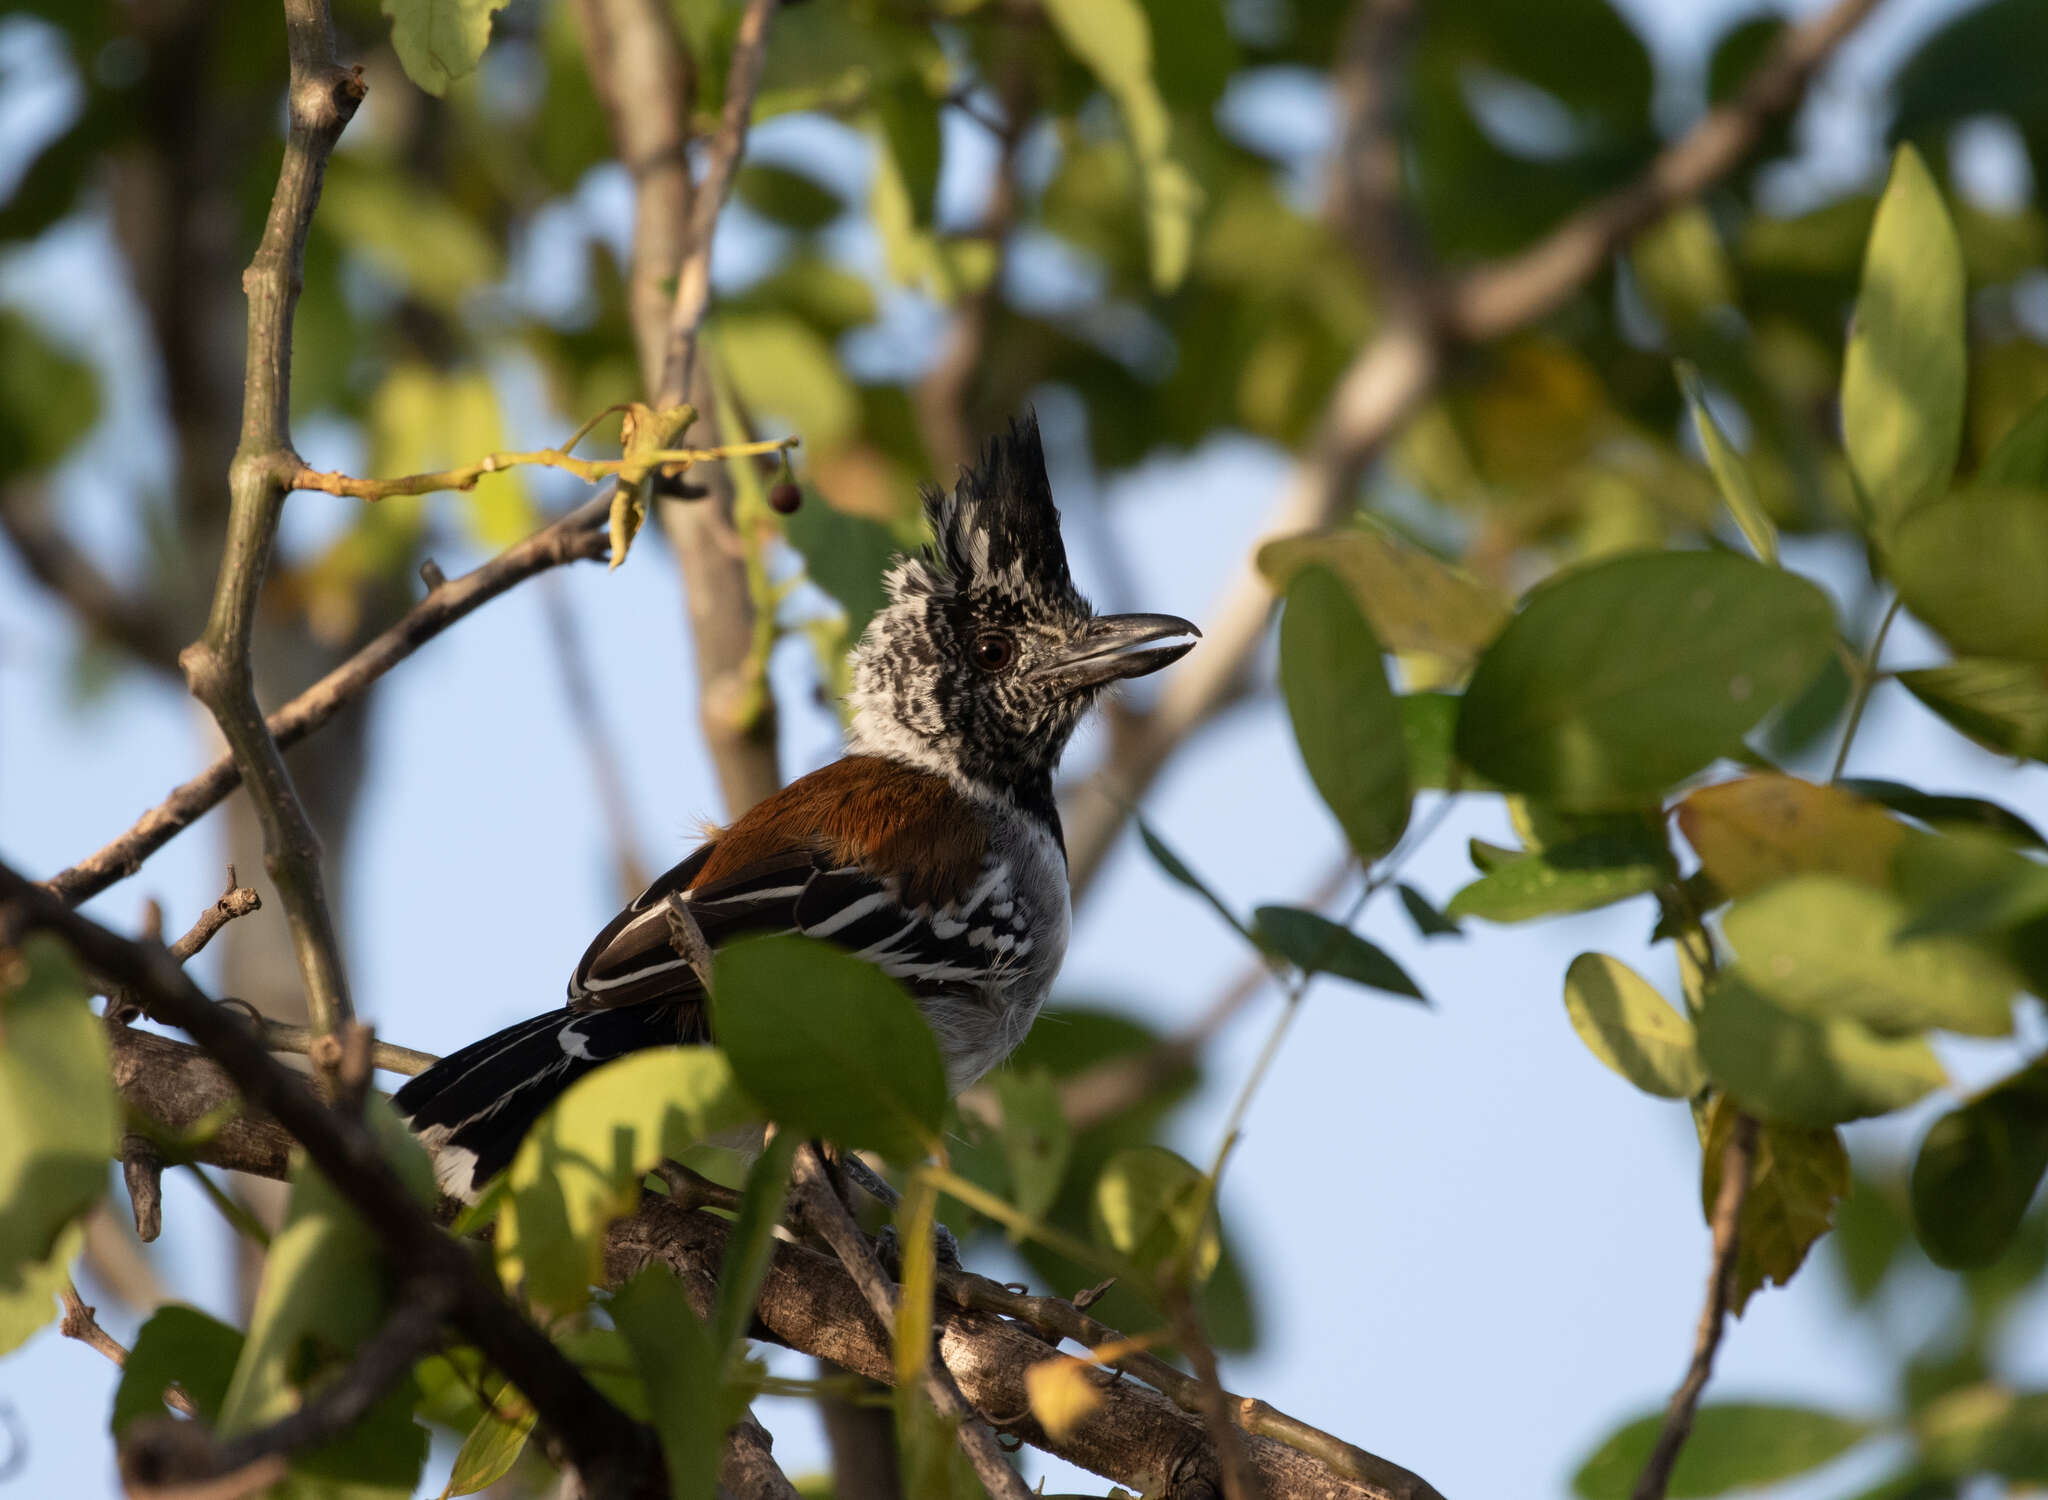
1392	376
576	537
1863	676
79	1322
1737	1161
615	1454
282	1036
590	470
236	901
644	79
826	1212
158	1455
721	166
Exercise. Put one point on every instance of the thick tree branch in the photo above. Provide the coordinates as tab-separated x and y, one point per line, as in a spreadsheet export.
322	98
1737	1160
106	608
178	1085
615	1455
1401	367
748	1470
824	1211
1136	1437
577	536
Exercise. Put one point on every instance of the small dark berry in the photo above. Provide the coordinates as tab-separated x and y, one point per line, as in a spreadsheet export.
784	497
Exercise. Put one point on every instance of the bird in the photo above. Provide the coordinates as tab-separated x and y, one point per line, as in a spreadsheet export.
932	848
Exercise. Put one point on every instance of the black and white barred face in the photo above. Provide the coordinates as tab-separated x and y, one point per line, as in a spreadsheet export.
944	675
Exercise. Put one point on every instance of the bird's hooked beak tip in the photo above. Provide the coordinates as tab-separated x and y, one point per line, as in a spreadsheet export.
1119	646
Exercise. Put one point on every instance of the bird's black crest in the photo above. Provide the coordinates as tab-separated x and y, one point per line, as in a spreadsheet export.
1000	516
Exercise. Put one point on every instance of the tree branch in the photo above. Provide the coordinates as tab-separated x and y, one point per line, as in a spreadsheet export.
615	1455
55	561
1399	369
824	1211
1137	1437
236	901
179	1085
162	1454
1737	1160
322	98
644	79
577	536
80	1323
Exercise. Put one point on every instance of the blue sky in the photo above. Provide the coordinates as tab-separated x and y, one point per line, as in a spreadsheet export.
1478	1249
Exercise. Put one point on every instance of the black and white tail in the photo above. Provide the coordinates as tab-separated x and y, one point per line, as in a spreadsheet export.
472	1108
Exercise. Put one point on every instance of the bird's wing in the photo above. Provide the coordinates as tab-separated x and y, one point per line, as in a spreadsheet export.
944	949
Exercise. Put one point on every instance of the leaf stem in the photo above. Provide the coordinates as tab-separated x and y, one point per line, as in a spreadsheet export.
1866	675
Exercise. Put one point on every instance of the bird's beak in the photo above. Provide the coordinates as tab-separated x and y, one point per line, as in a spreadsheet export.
1117	646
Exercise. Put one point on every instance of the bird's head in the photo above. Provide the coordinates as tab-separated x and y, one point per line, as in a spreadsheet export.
986	656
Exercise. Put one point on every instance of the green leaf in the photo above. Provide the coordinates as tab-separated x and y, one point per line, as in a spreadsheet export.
1429	726
1113	39
1970	566
845	555
179	1346
2021	457
1346	721
1797	1176
687	1400
1156	1209
782	369
1870	1231
48	400
1625	1023
1756	830
751	1245
1826	947
830	1045
1316	945
582	1164
1978	1169
1903	373
59	1121
1429	922
32	1306
1986	1429
1734	1446
493	1444
1578	875
439	41
1784	1066
2002	705
1177	870
1413	601
325	1289
794	199
1731	471
1947	811
1621	678
1037	1140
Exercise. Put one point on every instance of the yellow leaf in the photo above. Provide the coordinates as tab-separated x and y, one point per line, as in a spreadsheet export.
1758	830
1062	1392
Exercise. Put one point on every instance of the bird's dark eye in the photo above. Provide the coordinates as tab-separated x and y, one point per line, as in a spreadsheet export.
993	651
